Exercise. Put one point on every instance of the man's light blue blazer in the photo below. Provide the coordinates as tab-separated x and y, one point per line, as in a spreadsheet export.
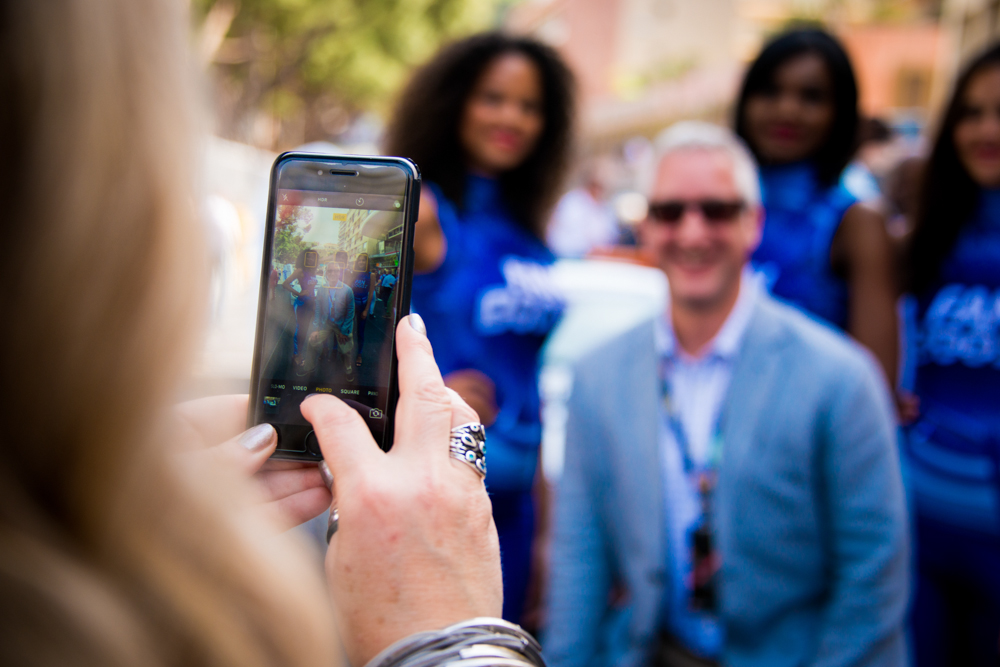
810	512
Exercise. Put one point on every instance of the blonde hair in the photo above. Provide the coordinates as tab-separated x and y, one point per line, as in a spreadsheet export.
109	552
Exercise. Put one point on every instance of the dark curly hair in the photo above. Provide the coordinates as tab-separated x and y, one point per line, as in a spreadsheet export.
841	143
948	195
425	123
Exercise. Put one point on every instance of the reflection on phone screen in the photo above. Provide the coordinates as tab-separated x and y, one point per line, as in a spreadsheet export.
329	311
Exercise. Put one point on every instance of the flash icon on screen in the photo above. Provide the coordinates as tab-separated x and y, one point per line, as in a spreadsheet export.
360	201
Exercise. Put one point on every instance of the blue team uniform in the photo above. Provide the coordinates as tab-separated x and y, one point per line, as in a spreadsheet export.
953	450
388	282
360	282
489	307
801	218
304	304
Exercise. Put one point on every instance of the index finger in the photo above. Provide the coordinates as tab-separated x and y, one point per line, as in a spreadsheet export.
423	416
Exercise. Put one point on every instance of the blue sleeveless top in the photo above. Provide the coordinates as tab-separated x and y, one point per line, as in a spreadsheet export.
801	218
489	307
360	282
954	446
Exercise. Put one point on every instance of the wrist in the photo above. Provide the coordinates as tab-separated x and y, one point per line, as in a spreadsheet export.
469	642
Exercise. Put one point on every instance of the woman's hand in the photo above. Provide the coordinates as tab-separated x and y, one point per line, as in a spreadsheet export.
476	389
290	493
416	547
429	243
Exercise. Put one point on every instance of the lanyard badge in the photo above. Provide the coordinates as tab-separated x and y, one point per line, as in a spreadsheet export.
705	560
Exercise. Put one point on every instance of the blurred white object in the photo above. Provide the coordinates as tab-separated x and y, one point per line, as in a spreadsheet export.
320	147
555	383
860	182
583	219
631	207
235	182
224	235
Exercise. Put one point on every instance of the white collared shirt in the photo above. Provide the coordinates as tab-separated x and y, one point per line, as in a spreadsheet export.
697	388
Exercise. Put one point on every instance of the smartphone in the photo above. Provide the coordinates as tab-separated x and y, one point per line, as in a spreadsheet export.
332	222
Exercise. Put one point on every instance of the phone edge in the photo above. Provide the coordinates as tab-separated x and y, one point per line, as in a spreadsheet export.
409	225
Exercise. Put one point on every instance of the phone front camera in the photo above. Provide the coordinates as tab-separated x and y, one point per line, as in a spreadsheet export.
319	172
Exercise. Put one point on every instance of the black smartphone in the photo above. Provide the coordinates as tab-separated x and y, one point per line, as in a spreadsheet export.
334	222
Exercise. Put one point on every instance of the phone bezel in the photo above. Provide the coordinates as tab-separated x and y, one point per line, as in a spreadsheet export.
404	279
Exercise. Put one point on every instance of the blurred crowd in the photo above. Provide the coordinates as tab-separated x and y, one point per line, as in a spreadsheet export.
797	462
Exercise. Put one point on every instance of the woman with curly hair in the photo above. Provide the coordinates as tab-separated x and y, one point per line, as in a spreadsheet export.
489	122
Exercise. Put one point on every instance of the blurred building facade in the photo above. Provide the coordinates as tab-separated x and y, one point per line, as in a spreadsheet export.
378	234
643	64
349	236
972	25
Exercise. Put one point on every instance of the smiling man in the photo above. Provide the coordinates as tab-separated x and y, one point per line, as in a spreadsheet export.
732	490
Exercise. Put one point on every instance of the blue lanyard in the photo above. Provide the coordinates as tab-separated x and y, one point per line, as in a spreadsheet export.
704	555
714	460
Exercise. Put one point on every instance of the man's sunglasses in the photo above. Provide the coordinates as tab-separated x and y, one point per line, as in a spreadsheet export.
713	210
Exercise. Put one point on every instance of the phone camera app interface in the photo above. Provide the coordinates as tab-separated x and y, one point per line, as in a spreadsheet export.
330	304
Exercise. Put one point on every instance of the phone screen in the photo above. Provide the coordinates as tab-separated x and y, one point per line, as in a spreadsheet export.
335	257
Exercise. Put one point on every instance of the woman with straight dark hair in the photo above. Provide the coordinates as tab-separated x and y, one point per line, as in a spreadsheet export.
822	250
489	122
953	448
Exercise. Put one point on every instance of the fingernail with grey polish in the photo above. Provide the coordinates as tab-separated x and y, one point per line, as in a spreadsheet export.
417	323
324	471
258	438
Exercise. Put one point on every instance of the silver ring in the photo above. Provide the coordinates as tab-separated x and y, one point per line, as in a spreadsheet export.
332	524
468	444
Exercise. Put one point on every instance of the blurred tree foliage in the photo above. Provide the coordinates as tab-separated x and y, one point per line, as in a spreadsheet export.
310	66
292	222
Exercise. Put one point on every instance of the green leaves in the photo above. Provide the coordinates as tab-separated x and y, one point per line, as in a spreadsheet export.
288	227
295	58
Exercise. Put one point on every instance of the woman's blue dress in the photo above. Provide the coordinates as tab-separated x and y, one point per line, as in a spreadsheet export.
953	449
489	307
801	218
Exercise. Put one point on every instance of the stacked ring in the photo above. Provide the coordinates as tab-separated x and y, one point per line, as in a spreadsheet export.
332	524
468	444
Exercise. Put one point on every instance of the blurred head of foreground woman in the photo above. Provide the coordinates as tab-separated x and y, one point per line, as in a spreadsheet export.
107	555
114	548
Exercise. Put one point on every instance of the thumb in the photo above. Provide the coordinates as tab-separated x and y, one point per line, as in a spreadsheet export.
343	436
